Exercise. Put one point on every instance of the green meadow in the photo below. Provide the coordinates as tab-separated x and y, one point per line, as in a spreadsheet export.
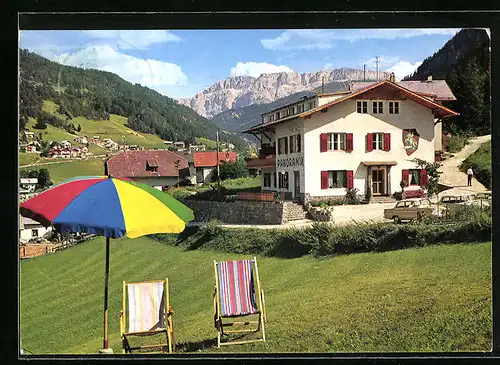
436	298
62	170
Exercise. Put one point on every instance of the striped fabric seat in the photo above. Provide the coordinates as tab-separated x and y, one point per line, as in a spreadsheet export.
146	306
237	291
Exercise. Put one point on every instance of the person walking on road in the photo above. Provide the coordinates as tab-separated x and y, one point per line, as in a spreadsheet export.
470	173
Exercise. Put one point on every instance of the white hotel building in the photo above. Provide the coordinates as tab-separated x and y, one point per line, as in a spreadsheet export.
363	138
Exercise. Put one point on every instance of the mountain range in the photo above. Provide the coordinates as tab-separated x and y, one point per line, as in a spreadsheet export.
241	91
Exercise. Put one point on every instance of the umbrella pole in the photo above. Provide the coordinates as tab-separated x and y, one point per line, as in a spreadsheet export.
106	296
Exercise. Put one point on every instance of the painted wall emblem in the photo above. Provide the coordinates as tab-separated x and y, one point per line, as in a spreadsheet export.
410	140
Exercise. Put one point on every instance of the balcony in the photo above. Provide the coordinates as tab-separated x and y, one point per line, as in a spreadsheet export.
266	150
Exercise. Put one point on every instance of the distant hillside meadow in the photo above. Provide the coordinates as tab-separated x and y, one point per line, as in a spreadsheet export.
96	95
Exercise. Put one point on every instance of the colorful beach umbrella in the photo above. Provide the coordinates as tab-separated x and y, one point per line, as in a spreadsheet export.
109	207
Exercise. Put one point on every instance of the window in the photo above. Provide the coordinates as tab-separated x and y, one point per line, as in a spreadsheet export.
414	176
378	141
300	108
336	141
362	107
282	145
283	180
337	179
393	107
267	180
295	145
277	115
378	107
34	233
199	174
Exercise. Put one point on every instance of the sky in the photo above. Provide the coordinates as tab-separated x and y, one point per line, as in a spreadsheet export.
181	63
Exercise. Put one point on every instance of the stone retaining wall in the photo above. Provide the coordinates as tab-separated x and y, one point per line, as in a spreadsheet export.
237	212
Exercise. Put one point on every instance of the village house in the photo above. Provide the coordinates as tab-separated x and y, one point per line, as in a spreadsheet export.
27	185
31	230
29	135
197	147
181	146
65	144
206	163
31	147
158	168
364	138
81	139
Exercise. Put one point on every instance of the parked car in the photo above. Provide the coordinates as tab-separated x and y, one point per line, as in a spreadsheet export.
486	195
410	209
456	199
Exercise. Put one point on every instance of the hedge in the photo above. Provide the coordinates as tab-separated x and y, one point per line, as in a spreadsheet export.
324	239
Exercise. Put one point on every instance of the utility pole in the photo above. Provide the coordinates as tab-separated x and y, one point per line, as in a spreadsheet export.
377	62
323	85
364	72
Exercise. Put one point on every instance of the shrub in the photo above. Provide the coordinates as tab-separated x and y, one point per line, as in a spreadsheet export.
351	196
456	143
322	239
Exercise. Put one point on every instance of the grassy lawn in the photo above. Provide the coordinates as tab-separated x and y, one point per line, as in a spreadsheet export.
67	169
428	299
115	129
480	162
27	158
51	133
211	145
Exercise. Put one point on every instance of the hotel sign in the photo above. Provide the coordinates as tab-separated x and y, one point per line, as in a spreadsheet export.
290	161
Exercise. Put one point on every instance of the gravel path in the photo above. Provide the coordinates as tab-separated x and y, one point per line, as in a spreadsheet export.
453	177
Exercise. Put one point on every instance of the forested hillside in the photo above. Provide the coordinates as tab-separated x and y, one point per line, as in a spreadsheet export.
464	62
96	94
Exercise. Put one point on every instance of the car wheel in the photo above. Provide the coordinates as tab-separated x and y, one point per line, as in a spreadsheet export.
396	220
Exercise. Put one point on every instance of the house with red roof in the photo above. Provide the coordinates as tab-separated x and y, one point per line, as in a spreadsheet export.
362	138
205	164
158	168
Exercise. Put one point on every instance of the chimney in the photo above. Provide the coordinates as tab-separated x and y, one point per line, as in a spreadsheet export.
429	78
392	78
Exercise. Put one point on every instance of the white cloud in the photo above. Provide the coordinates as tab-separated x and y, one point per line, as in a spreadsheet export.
325	39
133	39
403	68
255	69
327	66
151	73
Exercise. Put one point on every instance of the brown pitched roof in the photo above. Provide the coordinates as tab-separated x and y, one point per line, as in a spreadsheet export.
437	88
133	163
209	158
437	109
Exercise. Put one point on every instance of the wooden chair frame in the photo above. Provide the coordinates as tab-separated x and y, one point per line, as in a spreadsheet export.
224	321
169	330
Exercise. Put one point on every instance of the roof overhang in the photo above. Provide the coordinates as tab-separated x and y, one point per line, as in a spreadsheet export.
379	163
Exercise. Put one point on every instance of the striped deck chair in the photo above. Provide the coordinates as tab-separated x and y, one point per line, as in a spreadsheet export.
149	314
235	296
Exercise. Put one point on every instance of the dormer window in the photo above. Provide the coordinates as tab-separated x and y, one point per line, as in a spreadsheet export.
151	166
